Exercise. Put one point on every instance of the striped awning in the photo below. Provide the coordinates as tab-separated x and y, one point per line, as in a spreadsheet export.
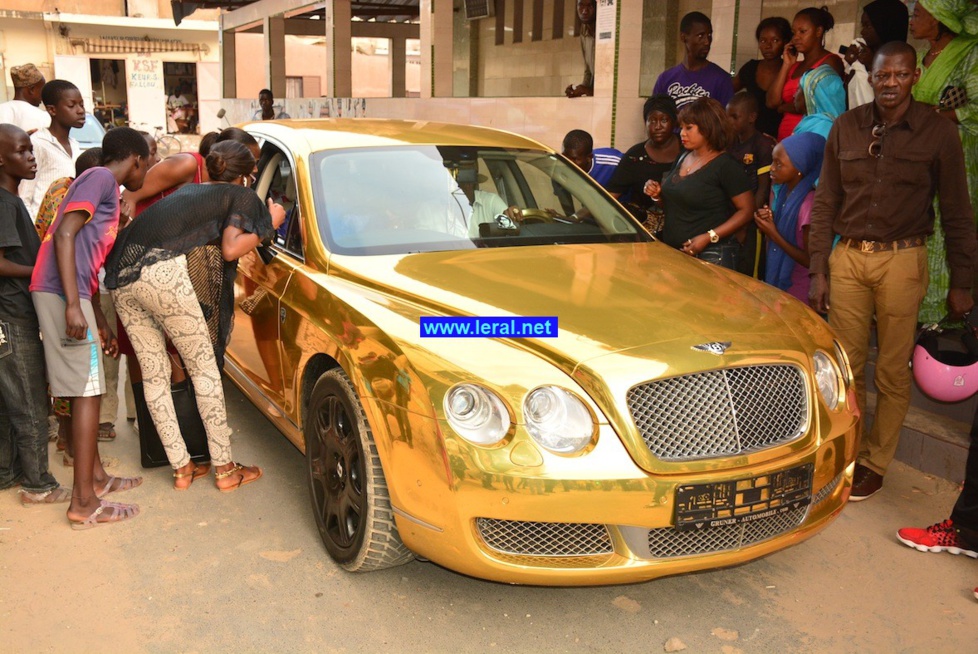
102	45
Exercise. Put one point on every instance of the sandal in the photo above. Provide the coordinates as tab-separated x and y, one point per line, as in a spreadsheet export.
195	473
56	495
239	471
117	513
106	432
119	484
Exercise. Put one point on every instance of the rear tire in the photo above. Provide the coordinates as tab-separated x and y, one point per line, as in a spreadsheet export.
347	487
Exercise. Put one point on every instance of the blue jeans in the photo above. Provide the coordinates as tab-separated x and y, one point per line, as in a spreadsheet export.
23	410
727	254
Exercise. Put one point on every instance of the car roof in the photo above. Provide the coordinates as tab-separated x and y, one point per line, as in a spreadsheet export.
338	133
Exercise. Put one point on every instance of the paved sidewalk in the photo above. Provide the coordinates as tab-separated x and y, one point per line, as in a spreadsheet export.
204	572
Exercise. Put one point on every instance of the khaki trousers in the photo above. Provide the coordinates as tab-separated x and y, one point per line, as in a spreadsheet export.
889	285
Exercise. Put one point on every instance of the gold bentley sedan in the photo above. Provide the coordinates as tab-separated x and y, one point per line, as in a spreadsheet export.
489	364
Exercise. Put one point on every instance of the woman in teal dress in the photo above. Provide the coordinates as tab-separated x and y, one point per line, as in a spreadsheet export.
949	67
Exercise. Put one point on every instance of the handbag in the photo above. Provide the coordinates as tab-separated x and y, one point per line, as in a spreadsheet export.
151	452
953	97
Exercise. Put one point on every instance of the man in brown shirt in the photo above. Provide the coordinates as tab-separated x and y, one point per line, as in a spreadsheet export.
884	162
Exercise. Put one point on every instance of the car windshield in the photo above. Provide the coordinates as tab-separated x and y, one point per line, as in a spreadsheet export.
90	134
429	198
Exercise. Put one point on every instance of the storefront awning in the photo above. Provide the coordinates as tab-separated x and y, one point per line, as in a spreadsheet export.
103	45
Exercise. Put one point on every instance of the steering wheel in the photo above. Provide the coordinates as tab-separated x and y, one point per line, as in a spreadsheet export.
531	216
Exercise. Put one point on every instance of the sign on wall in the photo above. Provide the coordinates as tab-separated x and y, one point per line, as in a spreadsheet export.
147	93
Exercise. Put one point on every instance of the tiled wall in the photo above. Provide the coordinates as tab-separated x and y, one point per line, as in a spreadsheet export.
530	68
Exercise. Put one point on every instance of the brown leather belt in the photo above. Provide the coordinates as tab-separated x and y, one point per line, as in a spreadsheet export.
885	246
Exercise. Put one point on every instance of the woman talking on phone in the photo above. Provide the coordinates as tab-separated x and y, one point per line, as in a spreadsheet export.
809	28
707	196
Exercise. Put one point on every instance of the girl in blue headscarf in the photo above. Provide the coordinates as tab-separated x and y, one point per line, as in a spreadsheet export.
796	164
822	98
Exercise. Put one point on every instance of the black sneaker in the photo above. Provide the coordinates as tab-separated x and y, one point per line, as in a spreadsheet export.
865	483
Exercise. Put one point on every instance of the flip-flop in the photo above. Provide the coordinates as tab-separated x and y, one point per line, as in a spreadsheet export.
117	513
106	432
119	484
235	470
196	473
56	495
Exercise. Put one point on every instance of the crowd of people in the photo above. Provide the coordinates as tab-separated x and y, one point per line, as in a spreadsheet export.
74	254
849	183
858	175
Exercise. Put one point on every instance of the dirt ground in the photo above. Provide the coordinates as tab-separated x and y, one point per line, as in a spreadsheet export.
205	572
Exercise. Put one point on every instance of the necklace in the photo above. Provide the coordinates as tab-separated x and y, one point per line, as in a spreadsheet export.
932	54
689	167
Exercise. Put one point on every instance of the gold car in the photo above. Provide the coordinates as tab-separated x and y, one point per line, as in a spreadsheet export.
679	416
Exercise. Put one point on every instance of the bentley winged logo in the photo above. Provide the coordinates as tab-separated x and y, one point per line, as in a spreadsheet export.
716	347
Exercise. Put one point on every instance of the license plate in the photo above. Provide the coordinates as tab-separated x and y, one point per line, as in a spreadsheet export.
699	506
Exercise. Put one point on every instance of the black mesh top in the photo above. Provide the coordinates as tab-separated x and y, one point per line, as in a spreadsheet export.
191	218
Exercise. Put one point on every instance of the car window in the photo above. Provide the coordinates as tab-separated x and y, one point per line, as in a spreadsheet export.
429	198
281	188
90	134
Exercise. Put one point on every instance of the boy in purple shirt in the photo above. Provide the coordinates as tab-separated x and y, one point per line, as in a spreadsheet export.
23	395
64	282
695	77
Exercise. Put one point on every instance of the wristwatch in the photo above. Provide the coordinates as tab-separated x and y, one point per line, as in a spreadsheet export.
714	237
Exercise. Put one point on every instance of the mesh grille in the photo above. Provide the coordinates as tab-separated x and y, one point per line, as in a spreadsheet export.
826	490
544	538
668	542
720	412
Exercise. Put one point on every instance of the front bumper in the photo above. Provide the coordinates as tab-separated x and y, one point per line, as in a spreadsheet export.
552	531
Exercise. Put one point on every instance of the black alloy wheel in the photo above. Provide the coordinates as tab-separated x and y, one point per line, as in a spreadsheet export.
346	481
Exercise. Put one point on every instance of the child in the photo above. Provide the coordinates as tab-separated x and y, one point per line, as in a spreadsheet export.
23	397
797	162
64	281
752	148
54	149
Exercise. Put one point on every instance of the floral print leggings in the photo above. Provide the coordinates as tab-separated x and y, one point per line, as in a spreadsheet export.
163	299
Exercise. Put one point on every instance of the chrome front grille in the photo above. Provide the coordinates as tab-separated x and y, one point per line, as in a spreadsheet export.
721	412
544	538
669	542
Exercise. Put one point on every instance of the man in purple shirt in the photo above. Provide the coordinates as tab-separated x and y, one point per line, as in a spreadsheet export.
695	77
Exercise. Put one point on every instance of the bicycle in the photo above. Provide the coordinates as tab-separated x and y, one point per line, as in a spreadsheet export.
166	144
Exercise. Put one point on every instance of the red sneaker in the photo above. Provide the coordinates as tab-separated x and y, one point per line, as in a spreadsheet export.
942	537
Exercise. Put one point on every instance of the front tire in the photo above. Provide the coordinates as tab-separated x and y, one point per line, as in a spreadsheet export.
349	493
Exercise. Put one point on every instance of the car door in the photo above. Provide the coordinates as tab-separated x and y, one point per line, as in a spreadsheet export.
262	280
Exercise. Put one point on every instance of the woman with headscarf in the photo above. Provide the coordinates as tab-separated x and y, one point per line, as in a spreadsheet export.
882	21
648	159
822	98
795	168
949	81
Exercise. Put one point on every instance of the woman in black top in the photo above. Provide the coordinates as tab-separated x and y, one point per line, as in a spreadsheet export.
707	196
647	160
757	75
147	273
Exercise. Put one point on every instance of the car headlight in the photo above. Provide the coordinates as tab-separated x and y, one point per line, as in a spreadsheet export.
477	414
557	420
843	359
827	378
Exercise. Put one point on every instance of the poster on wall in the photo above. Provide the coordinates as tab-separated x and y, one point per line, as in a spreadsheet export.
146	93
605	21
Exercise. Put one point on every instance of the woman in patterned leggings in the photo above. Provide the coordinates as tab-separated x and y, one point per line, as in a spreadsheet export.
147	273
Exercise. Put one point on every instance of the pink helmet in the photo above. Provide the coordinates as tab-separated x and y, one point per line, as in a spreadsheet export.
947	375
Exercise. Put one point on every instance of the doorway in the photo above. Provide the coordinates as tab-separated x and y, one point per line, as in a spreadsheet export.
111	101
182	108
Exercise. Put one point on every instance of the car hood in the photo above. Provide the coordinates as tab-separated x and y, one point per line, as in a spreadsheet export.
607	298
